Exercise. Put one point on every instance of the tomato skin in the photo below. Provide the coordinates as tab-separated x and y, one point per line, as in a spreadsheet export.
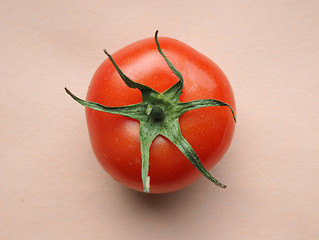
115	139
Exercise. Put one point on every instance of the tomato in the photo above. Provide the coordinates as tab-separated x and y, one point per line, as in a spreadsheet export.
116	139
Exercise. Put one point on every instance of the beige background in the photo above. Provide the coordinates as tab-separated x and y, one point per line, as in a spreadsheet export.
51	186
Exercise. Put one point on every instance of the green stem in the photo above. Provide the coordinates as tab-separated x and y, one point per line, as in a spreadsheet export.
158	114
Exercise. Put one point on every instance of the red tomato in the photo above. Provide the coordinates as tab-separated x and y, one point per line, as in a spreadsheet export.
115	139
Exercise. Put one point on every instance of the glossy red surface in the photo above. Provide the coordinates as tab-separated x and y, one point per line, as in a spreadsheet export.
115	139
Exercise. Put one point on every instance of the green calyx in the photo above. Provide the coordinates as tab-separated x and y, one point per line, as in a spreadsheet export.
158	114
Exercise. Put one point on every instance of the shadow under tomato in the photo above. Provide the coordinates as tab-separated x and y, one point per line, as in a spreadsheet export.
161	203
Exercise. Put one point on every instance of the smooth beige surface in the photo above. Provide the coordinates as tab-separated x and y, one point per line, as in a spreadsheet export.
51	186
